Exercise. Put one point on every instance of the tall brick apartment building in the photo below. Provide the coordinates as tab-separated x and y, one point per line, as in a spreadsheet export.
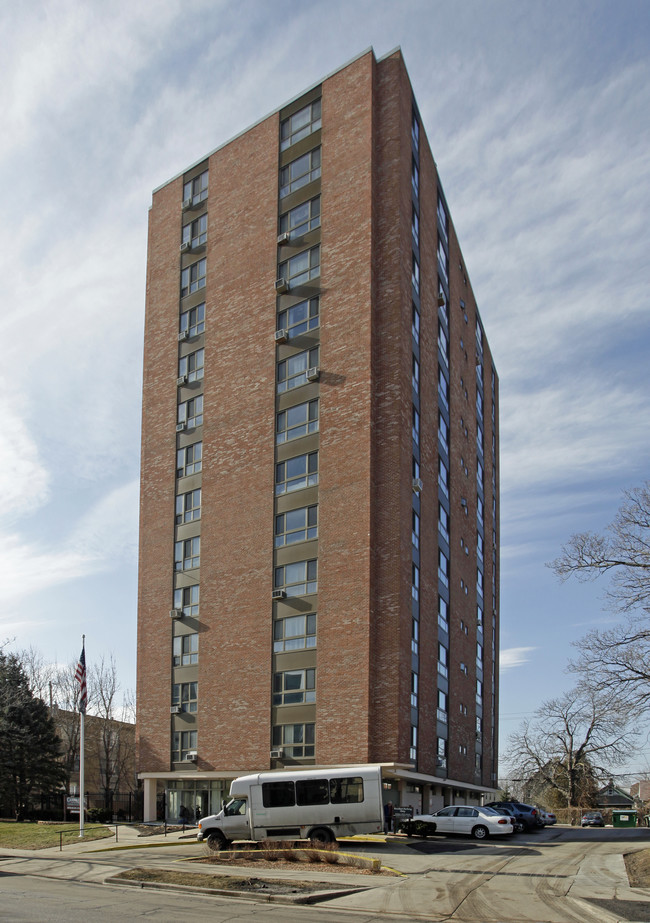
319	501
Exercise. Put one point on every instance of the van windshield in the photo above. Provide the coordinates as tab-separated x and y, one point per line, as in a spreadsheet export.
236	806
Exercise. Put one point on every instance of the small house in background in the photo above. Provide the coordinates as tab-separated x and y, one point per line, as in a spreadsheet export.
610	796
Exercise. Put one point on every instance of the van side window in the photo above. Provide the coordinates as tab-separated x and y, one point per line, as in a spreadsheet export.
278	794
346	791
312	791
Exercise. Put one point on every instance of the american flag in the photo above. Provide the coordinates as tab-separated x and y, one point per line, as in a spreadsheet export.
80	676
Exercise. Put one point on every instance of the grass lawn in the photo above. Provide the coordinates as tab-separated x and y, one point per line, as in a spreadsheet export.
40	836
637	865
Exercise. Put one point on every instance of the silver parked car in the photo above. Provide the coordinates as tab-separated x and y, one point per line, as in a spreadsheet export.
471	820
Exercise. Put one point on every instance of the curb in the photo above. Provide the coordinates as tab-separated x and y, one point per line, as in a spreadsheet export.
313	898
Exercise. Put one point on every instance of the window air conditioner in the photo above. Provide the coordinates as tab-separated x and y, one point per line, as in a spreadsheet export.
417	485
281	286
176	613
441	300
185	246
279	594
284	238
187	203
184	335
281	336
192	756
181	380
277	754
175	710
180	427
313	374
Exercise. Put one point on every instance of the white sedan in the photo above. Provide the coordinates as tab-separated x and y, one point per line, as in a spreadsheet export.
478	822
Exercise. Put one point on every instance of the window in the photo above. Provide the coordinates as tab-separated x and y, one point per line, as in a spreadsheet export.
442	217
443	477
442	706
186	695
442	660
193	277
443	262
415	324
414	689
443	567
413	749
187	599
189	460
479	616
443	613
443	344
479	581
415	635
297	421
192	365
479	336
415	429
443	389
415	178
196	232
479	437
193	320
442	753
183	743
479	656
443	522
415	273
415	530
297	579
415	227
301	268
187	554
479	546
296	473
196	189
443	431
415	131
186	650
416	467
188	506
191	412
292	372
312	791
479	692
296	633
301	219
294	687
300	172
479	404
479	511
479	474
300	317
297	740
278	794
443	309
463	668
300	124
415	581
415	375
296	526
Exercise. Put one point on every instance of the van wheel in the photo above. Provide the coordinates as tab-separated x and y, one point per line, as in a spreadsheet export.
321	835
480	833
217	840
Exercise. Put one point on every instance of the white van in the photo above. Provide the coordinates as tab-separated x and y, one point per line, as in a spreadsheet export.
304	804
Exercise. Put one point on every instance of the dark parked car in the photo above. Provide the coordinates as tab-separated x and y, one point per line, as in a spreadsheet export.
510	812
592	819
527	814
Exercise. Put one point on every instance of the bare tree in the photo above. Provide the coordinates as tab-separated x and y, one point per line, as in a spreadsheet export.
572	739
115	748
623	551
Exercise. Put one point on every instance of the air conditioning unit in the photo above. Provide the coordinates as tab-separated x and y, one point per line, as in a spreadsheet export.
284	238
281	336
441	300
313	374
417	485
277	754
180	427
175	710
181	380
281	286
279	594
187	203
192	756
183	335
176	613
186	245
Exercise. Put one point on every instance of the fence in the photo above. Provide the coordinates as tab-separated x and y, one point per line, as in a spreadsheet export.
105	806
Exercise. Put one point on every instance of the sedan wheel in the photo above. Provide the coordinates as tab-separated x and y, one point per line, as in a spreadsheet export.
480	833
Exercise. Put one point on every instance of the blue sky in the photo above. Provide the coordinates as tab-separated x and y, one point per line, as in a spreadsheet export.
537	115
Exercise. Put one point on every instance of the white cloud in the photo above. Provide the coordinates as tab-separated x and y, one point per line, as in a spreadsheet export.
514	657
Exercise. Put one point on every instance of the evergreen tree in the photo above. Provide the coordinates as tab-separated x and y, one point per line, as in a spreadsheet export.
30	749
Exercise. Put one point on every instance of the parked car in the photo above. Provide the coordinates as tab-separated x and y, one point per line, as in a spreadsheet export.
510	812
592	819
527	814
548	818
478	822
